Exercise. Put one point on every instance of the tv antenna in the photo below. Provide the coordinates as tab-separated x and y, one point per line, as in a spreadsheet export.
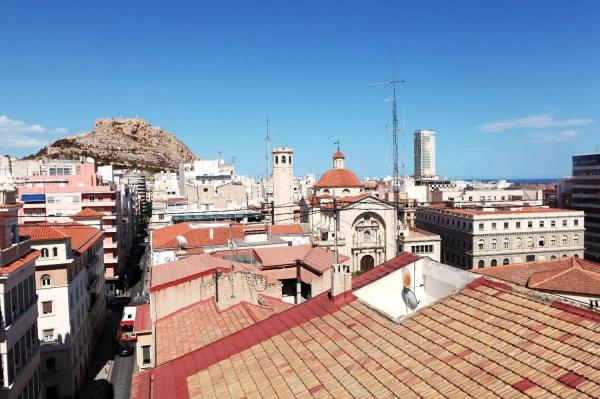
395	178
267	139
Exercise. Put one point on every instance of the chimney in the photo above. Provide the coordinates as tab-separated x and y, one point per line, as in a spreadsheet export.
341	280
211	233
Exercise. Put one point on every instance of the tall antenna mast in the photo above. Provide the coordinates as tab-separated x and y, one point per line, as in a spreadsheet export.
393	100
267	148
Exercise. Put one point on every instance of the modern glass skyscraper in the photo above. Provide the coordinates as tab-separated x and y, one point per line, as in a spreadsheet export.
424	153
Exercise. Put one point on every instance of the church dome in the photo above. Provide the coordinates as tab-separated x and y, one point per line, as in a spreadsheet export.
338	178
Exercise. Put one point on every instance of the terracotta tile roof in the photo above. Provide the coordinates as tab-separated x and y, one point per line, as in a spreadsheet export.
283	229
566	275
500	211
143	321
486	340
318	259
338	154
20	262
87	213
82	236
190	268
337	177
166	237
202	323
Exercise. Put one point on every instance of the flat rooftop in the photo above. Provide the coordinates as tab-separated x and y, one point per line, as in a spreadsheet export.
498	211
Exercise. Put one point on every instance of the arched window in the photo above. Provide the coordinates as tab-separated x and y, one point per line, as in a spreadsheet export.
283	159
576	239
518	242
480	264
290	159
44	253
564	256
553	241
541	241
529	242
553	257
576	256
46	281
505	261
564	240
481	245
506	243
494	262
345	191
494	243
55	251
326	191
50	363
276	159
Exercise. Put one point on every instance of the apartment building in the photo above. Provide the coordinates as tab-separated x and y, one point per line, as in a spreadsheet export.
585	196
19	348
502	197
70	286
477	237
65	188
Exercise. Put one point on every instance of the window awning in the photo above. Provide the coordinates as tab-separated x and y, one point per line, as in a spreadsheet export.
27	198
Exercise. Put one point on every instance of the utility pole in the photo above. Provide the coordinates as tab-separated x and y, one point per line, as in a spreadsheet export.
395	179
272	213
298	282
335	228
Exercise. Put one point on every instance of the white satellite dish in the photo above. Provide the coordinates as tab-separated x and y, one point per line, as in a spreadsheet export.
409	298
182	241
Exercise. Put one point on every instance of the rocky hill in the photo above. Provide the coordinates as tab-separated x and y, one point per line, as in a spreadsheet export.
123	143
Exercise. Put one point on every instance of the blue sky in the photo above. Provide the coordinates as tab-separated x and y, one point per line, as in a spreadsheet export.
512	87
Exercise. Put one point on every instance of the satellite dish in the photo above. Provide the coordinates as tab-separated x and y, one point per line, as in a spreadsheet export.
409	298
182	241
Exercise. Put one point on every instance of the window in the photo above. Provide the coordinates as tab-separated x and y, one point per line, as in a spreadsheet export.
553	240
55	252
47	307
44	253
541	242
480	264
564	240
146	355
505	261
480	226
506	225
481	244
161	216
553	257
530	224
506	243
564	223
493	226
541	223
91	198
575	222
46	282
48	335
529	242
494	262
529	258
518	225
50	362
553	223
494	244
576	239
205	189
283	159
290	159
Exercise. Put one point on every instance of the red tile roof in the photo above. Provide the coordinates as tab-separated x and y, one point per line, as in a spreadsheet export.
87	213
284	229
20	262
82	236
566	275
166	237
143	321
482	341
190	268
337	177
318	259
338	154
499	211
202	323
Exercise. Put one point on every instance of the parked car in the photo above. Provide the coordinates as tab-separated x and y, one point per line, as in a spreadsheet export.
126	349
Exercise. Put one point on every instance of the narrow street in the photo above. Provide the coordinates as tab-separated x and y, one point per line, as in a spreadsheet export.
109	375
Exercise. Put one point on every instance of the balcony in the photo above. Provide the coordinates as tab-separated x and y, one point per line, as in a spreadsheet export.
91	261
330	243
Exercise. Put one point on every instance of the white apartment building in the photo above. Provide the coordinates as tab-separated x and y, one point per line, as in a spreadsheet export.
477	237
490	197
19	348
205	172
72	302
424	152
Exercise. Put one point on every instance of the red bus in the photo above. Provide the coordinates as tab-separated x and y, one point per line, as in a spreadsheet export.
126	325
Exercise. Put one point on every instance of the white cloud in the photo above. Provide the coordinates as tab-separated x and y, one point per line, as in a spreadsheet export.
478	149
20	134
542	138
539	121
